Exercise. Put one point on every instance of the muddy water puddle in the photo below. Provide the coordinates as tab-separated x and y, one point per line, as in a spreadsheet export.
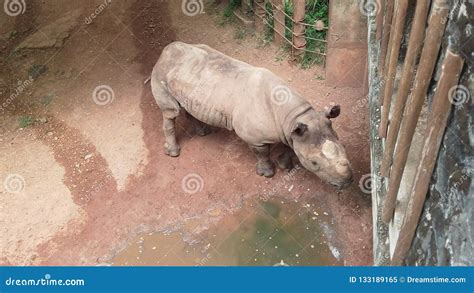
262	233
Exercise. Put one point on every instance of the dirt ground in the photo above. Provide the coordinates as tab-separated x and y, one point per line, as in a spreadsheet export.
81	179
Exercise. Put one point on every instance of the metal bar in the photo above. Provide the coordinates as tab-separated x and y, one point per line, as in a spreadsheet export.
415	43
394	47
437	121
432	43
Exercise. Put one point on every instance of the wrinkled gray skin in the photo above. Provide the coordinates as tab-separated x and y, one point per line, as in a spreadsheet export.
217	90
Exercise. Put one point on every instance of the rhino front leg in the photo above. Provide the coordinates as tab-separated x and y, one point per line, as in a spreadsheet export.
171	146
265	166
287	159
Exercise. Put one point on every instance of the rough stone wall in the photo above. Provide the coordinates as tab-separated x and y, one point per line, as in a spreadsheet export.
445	234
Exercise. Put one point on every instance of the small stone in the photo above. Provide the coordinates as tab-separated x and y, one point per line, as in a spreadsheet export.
88	156
214	212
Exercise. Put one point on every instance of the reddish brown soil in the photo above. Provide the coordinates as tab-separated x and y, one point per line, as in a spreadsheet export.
153	199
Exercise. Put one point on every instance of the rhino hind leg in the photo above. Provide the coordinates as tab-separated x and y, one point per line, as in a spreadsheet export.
201	128
171	147
170	110
265	167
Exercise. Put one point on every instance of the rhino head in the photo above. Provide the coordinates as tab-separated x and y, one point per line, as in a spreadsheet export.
318	148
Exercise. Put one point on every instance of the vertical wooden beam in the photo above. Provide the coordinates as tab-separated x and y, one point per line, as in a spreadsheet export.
437	120
387	24
425	70
279	22
259	15
379	20
415	43
299	41
394	48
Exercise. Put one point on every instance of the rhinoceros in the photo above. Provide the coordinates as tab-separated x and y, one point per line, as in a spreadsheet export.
217	90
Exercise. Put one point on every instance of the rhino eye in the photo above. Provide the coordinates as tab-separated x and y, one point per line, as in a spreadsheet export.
314	163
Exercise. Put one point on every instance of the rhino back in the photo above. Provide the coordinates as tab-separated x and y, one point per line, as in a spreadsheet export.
205	82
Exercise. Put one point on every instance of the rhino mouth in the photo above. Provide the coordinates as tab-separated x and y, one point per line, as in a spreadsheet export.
342	185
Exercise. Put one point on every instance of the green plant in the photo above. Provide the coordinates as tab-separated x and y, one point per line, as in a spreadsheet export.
25	121
316	10
269	23
229	10
288	8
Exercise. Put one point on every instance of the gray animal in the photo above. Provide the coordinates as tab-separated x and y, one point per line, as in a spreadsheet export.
220	91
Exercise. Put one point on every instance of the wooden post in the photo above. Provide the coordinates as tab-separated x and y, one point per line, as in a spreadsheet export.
426	67
394	48
299	41
279	22
437	120
259	15
415	43
387	24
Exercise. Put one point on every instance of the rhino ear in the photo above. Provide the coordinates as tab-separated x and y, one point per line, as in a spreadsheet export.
332	111
300	129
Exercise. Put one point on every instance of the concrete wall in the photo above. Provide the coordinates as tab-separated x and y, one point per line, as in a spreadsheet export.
346	62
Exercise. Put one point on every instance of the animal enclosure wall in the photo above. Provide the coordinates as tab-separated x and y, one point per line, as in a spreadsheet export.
444	234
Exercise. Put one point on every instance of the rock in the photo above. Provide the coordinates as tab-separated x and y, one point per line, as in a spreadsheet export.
42	120
53	34
216	212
